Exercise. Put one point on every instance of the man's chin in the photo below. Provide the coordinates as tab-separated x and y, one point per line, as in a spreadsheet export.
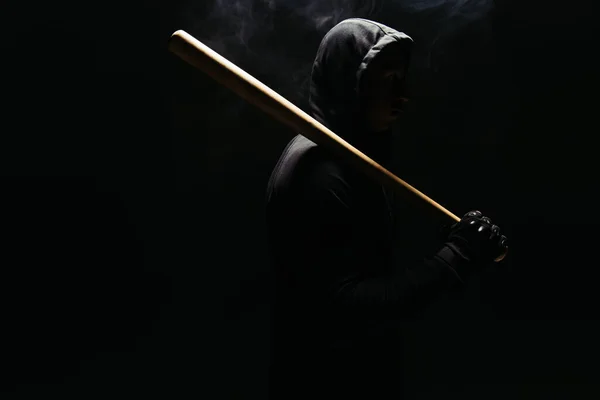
384	125
381	129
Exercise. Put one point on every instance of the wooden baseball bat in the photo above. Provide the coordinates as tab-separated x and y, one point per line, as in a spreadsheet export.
255	92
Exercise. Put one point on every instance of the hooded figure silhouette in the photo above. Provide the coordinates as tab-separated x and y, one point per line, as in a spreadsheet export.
340	293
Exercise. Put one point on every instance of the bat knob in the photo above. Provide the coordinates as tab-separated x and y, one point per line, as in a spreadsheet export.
501	256
503	244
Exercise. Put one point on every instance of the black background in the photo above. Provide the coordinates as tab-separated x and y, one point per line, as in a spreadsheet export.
132	186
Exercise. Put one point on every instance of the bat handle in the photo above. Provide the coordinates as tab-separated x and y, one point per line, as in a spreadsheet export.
446	231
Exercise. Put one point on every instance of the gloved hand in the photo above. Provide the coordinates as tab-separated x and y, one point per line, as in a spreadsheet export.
476	239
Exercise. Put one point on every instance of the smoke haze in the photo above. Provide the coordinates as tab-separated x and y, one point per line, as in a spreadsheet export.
276	40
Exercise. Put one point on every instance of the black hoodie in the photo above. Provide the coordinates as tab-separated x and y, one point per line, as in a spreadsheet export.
340	292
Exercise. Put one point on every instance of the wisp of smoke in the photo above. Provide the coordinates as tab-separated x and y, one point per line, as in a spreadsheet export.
249	29
231	22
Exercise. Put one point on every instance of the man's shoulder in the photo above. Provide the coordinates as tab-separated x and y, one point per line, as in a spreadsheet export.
302	153
304	163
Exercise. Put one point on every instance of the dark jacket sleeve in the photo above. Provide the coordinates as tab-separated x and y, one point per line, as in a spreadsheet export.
344	270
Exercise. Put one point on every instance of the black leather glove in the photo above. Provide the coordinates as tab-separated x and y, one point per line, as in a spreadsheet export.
476	239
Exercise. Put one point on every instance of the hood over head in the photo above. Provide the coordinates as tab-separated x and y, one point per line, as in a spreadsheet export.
344	55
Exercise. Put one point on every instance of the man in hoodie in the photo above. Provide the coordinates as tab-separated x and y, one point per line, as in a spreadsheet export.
340	293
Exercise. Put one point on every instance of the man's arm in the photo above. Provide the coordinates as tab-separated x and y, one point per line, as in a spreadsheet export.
327	199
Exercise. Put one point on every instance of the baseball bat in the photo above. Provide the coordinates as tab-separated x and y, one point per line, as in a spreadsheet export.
257	93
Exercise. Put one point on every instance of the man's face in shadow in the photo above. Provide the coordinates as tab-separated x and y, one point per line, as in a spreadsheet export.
382	89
